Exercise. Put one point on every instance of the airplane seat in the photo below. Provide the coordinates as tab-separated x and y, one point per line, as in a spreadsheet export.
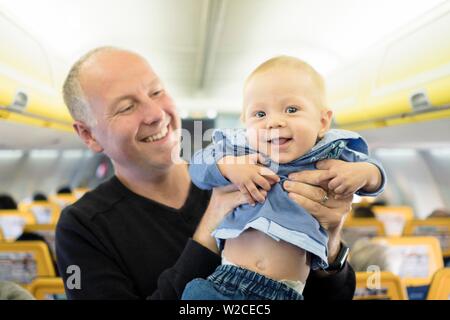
44	233
79	192
379	286
435	227
51	288
45	212
394	218
63	200
13	223
21	262
355	229
414	260
440	285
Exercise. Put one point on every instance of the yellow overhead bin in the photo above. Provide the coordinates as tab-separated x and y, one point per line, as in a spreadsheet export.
404	79
27	91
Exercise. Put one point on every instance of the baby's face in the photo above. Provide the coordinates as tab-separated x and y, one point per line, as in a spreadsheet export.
282	118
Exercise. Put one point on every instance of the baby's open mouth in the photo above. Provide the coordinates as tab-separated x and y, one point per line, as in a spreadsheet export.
279	141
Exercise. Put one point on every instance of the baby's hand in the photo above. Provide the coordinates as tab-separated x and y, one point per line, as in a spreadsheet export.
248	175
345	178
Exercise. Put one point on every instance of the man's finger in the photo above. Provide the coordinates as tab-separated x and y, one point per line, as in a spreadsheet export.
343	196
312	207
309	191
327	164
324	164
313	177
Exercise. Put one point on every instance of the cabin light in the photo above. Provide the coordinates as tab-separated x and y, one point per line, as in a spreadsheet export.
11	154
211	114
442	153
43	154
395	153
88	154
72	154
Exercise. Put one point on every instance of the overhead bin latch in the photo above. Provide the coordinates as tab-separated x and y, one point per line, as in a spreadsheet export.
419	101
20	101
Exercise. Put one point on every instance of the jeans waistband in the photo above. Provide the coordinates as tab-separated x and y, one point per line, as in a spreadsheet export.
231	278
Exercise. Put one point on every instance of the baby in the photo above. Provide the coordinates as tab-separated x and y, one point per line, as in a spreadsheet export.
270	244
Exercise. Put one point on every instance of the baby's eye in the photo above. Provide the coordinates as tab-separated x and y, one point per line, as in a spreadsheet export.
260	114
291	109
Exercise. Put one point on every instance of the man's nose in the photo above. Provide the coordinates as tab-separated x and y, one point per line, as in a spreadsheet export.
153	113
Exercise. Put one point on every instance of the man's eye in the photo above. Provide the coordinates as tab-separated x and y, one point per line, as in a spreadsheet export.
157	93
291	109
128	108
260	114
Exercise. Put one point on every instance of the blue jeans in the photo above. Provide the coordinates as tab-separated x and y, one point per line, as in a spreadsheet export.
230	282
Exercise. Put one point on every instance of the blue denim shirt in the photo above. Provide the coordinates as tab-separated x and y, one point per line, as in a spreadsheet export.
278	216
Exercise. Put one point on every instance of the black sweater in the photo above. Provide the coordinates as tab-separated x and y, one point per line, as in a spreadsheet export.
130	247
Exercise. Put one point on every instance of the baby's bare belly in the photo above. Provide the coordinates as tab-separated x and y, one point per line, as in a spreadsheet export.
258	252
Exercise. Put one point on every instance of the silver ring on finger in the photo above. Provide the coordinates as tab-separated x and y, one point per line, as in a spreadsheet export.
324	199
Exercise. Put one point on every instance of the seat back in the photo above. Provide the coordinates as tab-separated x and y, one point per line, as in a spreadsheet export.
393	218
379	286
440	285
358	228
45	212
436	227
47	289
47	231
63	200
13	222
413	259
23	261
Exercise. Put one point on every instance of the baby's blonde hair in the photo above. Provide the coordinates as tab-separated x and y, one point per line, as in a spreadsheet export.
289	62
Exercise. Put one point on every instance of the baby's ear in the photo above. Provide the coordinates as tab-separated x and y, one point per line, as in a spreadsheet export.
325	121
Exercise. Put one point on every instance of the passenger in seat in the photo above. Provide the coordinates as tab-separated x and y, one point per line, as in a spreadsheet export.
270	244
12	291
7	202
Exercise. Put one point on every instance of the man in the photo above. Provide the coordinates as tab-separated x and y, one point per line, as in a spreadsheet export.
147	232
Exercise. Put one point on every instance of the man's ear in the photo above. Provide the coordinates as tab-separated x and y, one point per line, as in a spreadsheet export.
85	133
325	121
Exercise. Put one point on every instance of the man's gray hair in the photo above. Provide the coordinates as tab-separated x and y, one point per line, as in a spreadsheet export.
73	94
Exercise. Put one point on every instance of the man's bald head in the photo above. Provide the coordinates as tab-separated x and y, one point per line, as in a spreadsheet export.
73	94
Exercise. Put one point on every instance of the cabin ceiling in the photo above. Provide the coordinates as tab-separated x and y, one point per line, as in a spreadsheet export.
203	49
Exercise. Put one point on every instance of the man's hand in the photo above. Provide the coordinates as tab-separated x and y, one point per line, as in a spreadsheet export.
223	201
250	177
308	190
